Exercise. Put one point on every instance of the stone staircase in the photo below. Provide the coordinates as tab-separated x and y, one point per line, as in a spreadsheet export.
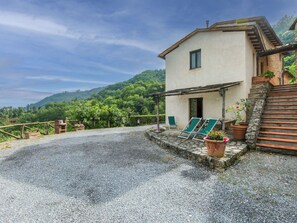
278	131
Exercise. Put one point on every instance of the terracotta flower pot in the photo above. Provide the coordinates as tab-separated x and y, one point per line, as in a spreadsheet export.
239	131
216	148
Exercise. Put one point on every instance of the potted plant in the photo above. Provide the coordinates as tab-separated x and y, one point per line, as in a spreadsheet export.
239	110
79	127
264	77
216	143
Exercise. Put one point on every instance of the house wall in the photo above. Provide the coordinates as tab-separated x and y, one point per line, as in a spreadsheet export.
272	62
250	63
224	56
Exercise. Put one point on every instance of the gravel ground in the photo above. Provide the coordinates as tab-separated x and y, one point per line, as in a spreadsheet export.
117	175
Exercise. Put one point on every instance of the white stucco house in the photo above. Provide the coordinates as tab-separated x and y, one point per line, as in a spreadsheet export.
215	62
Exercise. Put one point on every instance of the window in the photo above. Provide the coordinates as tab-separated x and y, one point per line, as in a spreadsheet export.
195	59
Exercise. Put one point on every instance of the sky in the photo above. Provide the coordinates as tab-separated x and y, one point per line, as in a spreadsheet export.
49	46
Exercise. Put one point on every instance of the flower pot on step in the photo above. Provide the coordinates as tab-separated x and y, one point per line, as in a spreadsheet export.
216	148
239	131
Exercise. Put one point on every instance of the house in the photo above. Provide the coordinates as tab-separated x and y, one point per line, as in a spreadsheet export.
211	68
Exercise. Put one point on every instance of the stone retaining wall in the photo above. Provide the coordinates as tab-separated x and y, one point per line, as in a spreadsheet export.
257	97
195	150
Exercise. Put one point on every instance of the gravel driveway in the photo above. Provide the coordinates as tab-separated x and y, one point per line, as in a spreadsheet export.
117	175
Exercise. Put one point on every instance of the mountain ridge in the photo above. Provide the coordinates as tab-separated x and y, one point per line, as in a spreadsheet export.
155	75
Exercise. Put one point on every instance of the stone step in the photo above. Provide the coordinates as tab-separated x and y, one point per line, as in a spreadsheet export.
273	134
282	107
279	118
284	97
292	150
283	89
285	86
280	123
276	141
277	94
284	103
279	113
278	128
281	140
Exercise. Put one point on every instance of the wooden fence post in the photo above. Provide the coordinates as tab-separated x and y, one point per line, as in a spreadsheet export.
22	131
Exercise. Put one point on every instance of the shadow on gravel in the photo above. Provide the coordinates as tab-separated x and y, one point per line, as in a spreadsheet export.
96	169
195	175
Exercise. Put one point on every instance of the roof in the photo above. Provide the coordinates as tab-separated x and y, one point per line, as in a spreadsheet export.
197	90
250	25
261	21
282	49
292	27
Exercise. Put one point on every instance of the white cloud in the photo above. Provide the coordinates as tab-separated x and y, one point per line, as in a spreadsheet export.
128	42
110	68
65	79
47	26
35	24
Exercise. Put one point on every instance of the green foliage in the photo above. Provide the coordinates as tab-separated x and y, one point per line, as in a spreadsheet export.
239	109
114	106
102	92
216	135
145	119
268	74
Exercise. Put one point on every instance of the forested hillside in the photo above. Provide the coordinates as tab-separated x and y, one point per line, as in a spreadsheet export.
111	107
149	75
67	96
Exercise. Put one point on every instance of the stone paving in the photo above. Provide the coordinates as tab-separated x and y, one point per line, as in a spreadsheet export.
196	150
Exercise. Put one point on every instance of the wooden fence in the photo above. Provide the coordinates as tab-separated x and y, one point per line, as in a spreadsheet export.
23	127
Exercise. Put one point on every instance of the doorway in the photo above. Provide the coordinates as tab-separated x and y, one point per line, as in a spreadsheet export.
196	107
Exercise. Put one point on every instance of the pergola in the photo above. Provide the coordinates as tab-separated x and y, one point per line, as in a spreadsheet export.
221	88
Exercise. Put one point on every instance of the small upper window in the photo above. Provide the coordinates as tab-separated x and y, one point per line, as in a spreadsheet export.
195	59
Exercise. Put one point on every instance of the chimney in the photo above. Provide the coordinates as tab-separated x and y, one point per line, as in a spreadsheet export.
207	23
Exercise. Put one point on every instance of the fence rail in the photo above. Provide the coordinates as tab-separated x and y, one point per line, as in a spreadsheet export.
18	130
145	119
22	126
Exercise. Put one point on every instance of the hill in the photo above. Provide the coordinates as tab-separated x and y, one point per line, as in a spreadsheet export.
152	75
67	96
148	75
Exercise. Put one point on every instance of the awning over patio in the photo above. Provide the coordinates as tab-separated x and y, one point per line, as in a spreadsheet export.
197	90
221	88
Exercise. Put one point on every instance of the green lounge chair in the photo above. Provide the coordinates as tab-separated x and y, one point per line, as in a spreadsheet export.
206	127
190	127
171	122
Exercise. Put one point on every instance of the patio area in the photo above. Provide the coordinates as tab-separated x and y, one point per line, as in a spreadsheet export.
196	150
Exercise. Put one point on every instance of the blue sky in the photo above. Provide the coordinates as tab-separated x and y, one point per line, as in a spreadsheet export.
53	46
